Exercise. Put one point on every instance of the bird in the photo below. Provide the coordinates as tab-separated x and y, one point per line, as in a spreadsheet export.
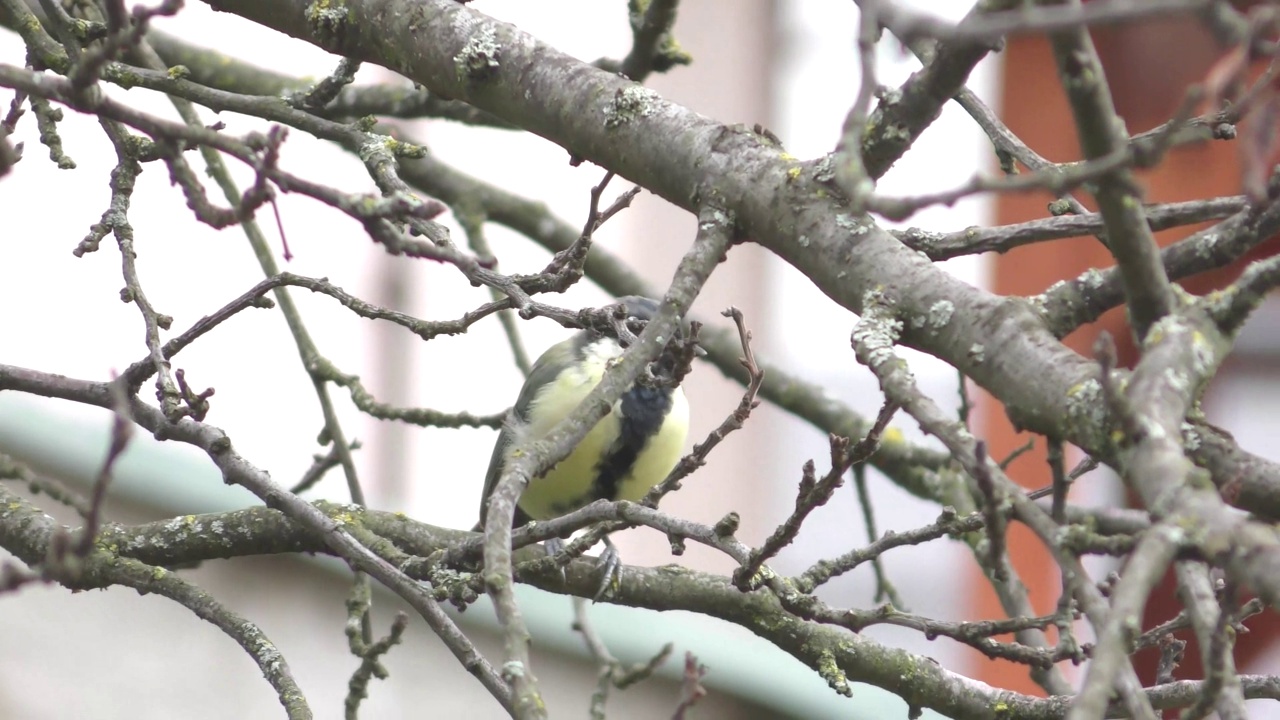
627	452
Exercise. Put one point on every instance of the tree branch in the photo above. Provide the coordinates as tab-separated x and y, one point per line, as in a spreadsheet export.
1102	134
262	530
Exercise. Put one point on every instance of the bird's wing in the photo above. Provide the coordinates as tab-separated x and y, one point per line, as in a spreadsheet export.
541	375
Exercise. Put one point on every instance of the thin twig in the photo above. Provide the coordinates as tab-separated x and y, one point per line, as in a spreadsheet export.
814	493
691	690
1060	484
320	465
612	672
885	589
910	24
121	434
991	502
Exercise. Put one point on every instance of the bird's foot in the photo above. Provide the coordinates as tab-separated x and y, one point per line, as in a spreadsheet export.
554	547
610	564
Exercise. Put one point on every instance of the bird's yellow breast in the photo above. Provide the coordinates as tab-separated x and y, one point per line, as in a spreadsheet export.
569	485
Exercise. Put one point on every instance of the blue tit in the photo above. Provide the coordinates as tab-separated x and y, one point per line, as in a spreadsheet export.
629	451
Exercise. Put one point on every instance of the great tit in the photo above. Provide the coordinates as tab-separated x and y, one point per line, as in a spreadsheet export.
629	451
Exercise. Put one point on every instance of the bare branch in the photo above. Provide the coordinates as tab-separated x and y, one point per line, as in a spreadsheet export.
1102	134
121	434
911	25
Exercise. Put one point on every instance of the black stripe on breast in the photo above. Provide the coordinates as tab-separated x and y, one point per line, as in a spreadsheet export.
643	411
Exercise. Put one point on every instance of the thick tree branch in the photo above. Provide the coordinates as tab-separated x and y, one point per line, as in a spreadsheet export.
261	530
